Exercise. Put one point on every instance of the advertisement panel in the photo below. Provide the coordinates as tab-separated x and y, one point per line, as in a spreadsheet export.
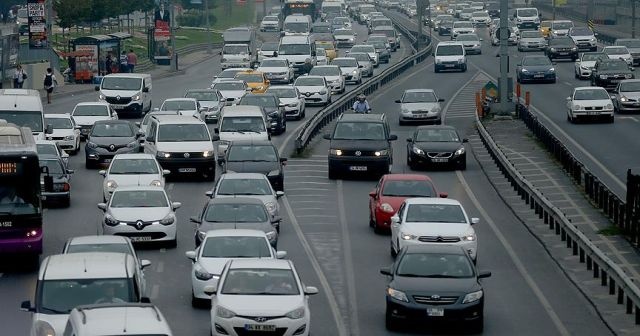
37	24
162	34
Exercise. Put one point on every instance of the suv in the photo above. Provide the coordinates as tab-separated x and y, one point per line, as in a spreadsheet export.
609	72
450	56
182	144
112	318
360	143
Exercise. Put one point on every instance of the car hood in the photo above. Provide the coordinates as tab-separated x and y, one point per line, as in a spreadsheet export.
208	103
89	120
438	146
594	102
231	136
60	132
261	305
582	37
185	146
632	95
111	140
272	69
310	88
589	64
537	68
264	198
435	286
262	226
615	56
332	78
418	106
252	167
57	321
532	39
133	179
143	214
367	145
435	229
289	100
232	93
343	37
614	72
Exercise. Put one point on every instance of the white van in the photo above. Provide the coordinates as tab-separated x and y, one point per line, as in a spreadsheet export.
117	319
126	92
297	49
450	56
527	18
297	25
23	108
240	122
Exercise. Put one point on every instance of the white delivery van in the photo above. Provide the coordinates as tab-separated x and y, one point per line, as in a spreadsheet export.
126	92
23	107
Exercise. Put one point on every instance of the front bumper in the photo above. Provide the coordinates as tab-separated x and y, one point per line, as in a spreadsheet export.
584	73
528	25
420	116
273	28
345	43
153	232
537	77
133	106
470	247
425	159
189	166
67	144
236	326
608	84
629	106
592	113
210	117
103	156
316	98
354	164
238	64
582	45
456	312
278	78
532	46
336	87
16	241
563	54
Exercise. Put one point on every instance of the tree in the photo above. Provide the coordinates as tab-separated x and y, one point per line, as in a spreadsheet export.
70	12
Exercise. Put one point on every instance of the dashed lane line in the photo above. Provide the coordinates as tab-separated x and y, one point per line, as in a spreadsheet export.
348	264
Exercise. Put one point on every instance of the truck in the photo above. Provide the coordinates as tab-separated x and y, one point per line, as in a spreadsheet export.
239	49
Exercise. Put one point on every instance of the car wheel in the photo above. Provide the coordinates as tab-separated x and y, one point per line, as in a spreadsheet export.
89	165
372	222
389	321
173	243
401	122
575	74
66	202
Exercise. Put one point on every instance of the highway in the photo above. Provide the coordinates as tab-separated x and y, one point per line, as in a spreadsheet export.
326	234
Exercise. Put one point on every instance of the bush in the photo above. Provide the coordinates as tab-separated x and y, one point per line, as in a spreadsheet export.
195	18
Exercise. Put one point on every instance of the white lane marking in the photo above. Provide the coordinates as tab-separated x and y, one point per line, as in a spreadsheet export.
348	265
333	304
567	83
316	216
627	117
514	257
307	171
160	267
450	103
294	161
155	290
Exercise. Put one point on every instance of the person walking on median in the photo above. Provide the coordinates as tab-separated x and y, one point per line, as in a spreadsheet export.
49	83
19	77
132	60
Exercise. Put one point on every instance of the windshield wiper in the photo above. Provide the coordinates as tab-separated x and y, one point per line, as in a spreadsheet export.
435	276
55	311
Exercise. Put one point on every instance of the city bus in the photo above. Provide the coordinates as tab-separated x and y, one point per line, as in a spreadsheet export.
303	7
23	107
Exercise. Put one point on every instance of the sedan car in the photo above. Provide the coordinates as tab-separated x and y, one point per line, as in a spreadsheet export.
277	70
560	28
633	45
462	27
609	72
481	18
391	191
383	50
561	47
535	68
589	102
332	75
435	146
142	213
321	57
420	105
111	137
367	49
228	74
231	90
434	283
472	43
350	69
60	191
184	106
256	81
364	63
270	23
626	96
256	156
294	103
445	27
433	221
65	131
344	37
618	52
211	103
86	114
531	40
314	89
271	106
128	170
584	66
217	248
584	38
260	296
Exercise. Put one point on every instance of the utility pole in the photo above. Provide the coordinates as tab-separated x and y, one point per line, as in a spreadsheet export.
206	22
429	25
49	26
174	55
420	4
633	18
504	58
554	10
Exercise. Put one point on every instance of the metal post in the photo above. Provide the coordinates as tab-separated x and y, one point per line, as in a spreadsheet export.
206	22
504	57
172	23
429	26
49	26
420	14
633	19
554	10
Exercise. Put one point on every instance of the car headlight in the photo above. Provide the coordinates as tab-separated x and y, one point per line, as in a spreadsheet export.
271	235
396	294
386	207
603	76
163	155
132	144
109	220
577	107
609	106
473	297
525	70
102	97
43	328
553	49
271	206
408	236
337	152
111	184
201	273
225	313
156	183
383	152
69	137
274	173
555	31
436	109
551	70
168	220
207	153
623	99
593	39
91	145
136	97
584	67
460	60
417	150
628	76
574	49
323	91
459	151
355	72
469	236
296	313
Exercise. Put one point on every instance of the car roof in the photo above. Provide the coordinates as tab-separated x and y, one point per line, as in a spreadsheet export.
235	233
130	75
93	103
177	119
87	265
260	263
181	99
418	90
114	121
57	115
242	176
589	88
432	200
133	156
141	187
405	177
354	117
97	239
251	142
242	111
344	58
235	200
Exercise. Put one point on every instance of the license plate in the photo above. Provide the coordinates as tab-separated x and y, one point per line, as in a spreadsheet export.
435	312
538	76
139	239
593	113
116	106
563	53
420	115
186	170
358	168
260	327
615	81
449	65
43	198
440	160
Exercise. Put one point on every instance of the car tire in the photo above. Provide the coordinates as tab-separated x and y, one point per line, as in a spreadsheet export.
390	323
89	165
571	119
401	123
575	74
332	174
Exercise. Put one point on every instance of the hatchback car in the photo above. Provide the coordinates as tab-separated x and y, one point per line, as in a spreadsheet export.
531	40
462	27
211	102
584	38
127	170
535	68
60	192
626	96
471	42
344	37
184	106
272	108
256	156
589	102
382	50
277	70
420	105
436	146
561	47
618	52
350	69
65	131
584	66
560	28
231	90
86	114
633	45
294	103
364	63
367	49
52	148
110	137
332	75
314	89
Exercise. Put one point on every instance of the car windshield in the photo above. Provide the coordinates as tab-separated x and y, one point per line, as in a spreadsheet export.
262	281
468	10
54	166
434	265
274	63
449	50
343	32
347	63
235	247
229	73
120	83
99	247
615	50
259	100
561	25
203	95
133	167
361	57
463	24
435	213
321	52
408	188
304	81
61	296
419	97
480	14
270	18
183	132
363	49
617	65
178	105
629	43
630	86
138	199
437	135
296	27
359	131
294	49
91	111
111	130
536	60
230	86
591	94
59	123
248	186
236	213
322	29
527	12
283	92
581	32
591	56
467	37
242	124
47	149
387	32
269	46
252	153
530	34
250	78
235	49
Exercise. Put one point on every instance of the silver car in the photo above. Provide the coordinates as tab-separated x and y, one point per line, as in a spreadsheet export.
364	63
531	40
344	37
134	169
211	103
472	43
420	105
350	69
277	70
144	214
232	90
229	74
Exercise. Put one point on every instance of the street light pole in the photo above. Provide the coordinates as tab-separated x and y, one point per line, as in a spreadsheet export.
174	55
633	18
554	10
420	15
504	57
206	22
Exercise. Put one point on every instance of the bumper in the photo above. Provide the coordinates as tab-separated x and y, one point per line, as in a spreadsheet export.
584	73
594	114
316	98
449	66
134	106
345	43
359	165
353	78
278	79
336	87
422	116
151	233
31	245
236	326
209	117
456	312
528	25
189	166
67	144
273	28
566	55
529	46
607	83
198	286
103	156
586	45
629	106
537	77
55	197
228	65
426	160
473	50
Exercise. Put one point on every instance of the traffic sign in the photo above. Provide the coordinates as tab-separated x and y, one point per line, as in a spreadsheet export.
491	90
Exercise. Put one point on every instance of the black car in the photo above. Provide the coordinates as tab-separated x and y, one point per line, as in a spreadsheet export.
360	143
110	137
436	145
445	27
53	169
384	54
609	72
272	107
434	283
561	47
256	156
536	68
493	8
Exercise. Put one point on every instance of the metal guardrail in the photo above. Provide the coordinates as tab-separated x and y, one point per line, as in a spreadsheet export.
567	12
188	49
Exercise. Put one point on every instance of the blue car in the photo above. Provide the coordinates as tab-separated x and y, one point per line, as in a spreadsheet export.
536	68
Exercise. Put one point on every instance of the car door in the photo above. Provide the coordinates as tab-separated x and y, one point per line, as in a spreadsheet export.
150	141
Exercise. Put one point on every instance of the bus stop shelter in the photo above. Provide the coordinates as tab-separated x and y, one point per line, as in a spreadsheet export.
90	53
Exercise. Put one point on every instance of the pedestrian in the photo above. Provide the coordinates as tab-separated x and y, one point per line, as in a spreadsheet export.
124	67
306	67
49	83
19	77
108	64
132	60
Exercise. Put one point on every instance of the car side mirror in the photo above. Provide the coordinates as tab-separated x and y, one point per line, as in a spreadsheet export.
144	263
281	254
176	205
385	271
393	137
215	137
211	289
102	206
475	221
326	136
156	109
209	194
26	306
568	98
97	88
140	134
145	89
166	172
138	124
279	194
70	171
443	195
195	219
191	255
395	219
484	274
310	290
149	139
102	172
283	161
373	194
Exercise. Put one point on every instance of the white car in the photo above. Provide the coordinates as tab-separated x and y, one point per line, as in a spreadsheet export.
50	147
350	69
531	39
589	102
86	114
294	103
621	52
314	89
253	185
232	90
585	64
216	249
228	74
186	106
560	28
481	18
111	319
584	38
126	170
344	37
65	131
462	27
332	74
321	57
277	70
424	220
270	23
254	296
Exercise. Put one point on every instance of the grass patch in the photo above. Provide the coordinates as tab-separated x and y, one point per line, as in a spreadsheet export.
240	15
610	230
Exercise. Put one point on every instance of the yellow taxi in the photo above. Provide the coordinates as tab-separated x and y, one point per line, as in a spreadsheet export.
329	47
545	28
256	80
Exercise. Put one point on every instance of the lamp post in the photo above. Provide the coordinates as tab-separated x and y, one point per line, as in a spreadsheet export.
633	18
420	15
172	24
206	22
504	57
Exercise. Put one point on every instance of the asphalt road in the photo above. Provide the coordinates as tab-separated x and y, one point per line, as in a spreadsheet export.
326	234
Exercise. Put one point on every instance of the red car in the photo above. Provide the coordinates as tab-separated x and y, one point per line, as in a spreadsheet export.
391	191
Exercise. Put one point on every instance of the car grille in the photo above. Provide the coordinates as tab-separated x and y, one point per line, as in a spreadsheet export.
450	62
142	225
563	49
443	155
593	108
260	319
242	332
358	153
616	77
153	235
115	100
186	155
420	111
439	239
112	149
435	300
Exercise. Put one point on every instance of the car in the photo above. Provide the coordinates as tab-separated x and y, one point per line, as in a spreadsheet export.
462	27
332	75
344	37
340	22
221	245
127	170
294	103
466	13
231	90
360	144
607	73
272	107
65	131
144	214
277	70
256	156
321	57
267	50
110	137
256	81
321	28
531	40
471	42
436	146
252	185
314	89
146	121
589	102
111	318
254	290
450	56
350	69
445	27
364	63
481	18
561	47
584	65
584	38
241	212
393	38
246	122
270	23
536	68
329	48
53	149
184	106
560	28
229	74
633	45
511	40
211	102
433	221
389	193
382	50
367	49
420	105
626	96
615	52
440	279
439	19
86	114
61	175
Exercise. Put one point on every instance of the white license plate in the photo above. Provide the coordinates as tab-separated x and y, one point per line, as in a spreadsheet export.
358	168
116	106
563	53
435	312
260	327
593	113
449	65
420	115
538	76
440	160
139	239
186	170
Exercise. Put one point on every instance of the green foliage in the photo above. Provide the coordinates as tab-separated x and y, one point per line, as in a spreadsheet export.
195	18
75	12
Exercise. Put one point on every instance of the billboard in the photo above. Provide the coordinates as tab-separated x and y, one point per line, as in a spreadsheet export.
162	34
37	24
